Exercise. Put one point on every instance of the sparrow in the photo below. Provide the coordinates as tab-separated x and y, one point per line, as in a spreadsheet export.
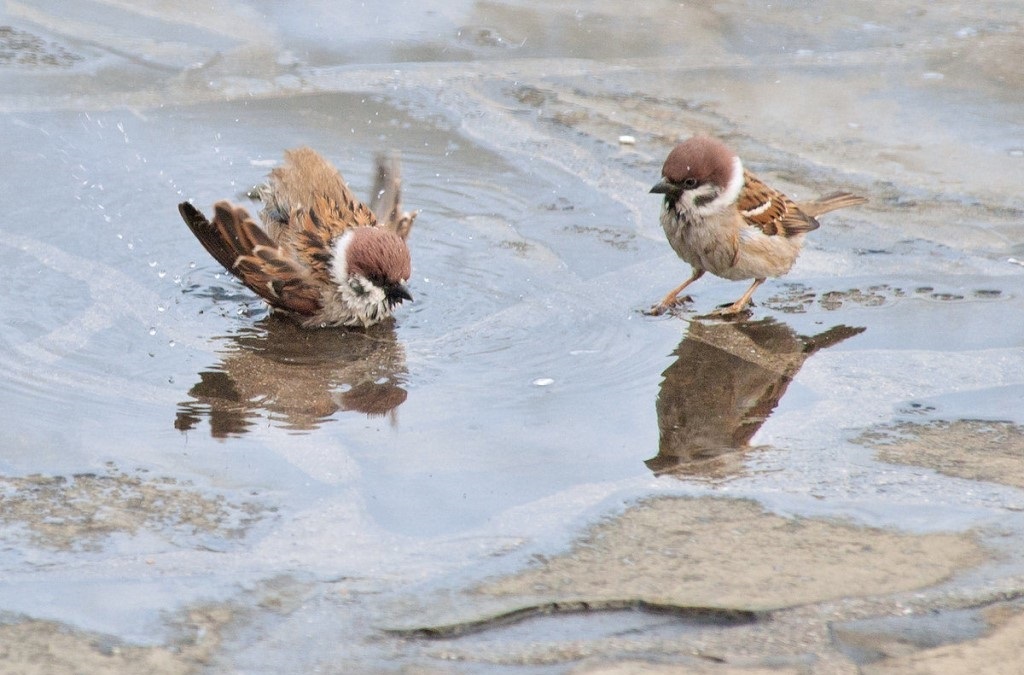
722	219
321	257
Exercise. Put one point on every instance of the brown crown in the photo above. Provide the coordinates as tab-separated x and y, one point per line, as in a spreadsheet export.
700	157
379	253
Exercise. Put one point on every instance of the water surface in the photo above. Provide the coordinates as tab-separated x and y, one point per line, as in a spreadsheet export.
177	460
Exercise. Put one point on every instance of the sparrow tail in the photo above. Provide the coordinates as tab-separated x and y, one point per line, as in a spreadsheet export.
386	198
836	200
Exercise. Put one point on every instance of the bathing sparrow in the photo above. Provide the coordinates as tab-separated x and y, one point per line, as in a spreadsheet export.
322	257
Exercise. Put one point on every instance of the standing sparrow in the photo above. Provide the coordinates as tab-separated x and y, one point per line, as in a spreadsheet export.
722	219
322	256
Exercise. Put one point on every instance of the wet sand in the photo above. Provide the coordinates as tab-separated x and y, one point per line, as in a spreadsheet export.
522	472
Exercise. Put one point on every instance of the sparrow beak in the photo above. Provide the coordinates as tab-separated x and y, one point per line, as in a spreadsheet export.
396	293
666	188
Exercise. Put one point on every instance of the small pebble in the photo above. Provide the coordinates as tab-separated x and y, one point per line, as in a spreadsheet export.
627	140
543	382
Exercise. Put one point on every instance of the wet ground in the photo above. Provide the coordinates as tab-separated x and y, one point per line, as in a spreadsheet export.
521	473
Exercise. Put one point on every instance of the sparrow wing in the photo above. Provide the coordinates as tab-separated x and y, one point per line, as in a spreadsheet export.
308	181
309	235
223	244
770	211
273	272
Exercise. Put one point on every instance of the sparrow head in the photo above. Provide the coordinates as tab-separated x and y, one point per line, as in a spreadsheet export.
704	171
371	267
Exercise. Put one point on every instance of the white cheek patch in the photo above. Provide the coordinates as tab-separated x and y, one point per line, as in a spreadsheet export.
339	260
729	195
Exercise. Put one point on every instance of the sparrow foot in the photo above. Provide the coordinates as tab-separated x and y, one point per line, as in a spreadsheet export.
662	307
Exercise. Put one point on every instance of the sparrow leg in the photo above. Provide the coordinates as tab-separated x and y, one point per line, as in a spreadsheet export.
669	300
741	304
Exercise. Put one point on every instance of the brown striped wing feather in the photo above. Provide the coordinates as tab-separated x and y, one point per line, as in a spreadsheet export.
273	272
308	181
771	211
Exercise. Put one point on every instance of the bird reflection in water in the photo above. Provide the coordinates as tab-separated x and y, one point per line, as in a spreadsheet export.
726	380
297	378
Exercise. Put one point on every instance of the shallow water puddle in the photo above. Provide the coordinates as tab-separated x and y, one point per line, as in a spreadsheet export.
186	482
